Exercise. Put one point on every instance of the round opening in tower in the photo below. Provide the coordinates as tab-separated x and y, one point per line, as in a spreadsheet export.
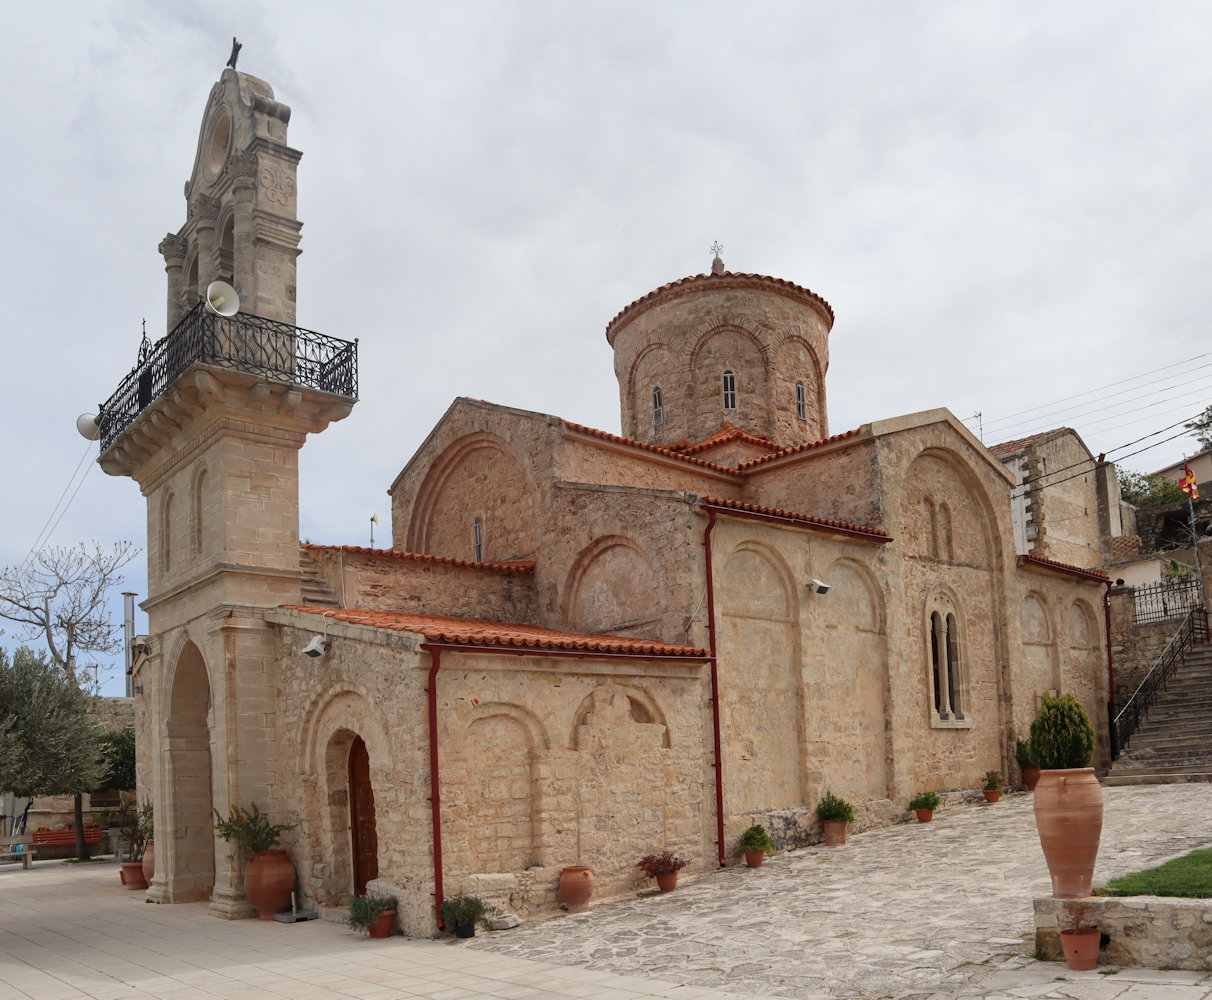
220	140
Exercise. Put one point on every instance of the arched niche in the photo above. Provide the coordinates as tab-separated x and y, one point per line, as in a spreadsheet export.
478	476
1042	666
730	348
943	514
500	788
613	587
188	855
619	717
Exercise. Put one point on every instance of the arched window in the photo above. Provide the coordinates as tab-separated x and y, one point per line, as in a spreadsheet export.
198	498
658	408
477	527
729	391
946	668
801	401
166	532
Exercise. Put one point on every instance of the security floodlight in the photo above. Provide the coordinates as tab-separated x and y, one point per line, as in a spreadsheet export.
316	647
818	586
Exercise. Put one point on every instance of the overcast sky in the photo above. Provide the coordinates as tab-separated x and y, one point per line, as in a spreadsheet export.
1007	205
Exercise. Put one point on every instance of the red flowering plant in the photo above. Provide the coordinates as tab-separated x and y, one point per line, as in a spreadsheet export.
664	863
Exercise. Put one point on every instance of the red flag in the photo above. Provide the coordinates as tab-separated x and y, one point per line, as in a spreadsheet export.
1187	483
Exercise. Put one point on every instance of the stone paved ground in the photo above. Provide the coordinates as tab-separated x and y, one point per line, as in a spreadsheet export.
913	911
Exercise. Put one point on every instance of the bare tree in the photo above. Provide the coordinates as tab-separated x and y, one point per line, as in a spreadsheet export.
59	595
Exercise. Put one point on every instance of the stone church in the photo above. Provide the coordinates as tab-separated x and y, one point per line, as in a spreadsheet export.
581	646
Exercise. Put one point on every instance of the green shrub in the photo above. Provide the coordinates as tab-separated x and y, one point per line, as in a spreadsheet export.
924	800
1024	753
757	839
364	910
250	828
465	910
993	781
1061	735
832	807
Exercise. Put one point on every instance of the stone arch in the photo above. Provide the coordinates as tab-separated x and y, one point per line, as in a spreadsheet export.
613	586
941	474
654	365
620	717
1040	651
166	530
478	475
757	582
795	360
731	347
335	717
186	859
197	493
499	792
1083	626
861	602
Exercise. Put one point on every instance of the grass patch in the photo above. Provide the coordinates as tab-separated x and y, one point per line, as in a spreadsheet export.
1189	876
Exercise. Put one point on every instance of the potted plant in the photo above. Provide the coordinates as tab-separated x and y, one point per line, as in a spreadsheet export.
663	867
834	813
371	914
924	804
756	844
1080	940
132	830
1025	756
462	913
1068	798
269	876
993	786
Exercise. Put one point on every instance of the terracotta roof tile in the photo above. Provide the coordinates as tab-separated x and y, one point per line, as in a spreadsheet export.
509	568
795	449
727	278
1008	448
667	452
471	632
724	435
1092	574
844	527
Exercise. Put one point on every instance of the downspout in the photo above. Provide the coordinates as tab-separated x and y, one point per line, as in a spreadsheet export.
1110	674
715	689
435	796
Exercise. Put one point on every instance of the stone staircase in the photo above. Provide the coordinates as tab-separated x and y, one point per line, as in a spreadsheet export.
1174	742
315	592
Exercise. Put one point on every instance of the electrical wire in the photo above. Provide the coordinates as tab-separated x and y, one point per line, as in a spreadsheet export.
44	534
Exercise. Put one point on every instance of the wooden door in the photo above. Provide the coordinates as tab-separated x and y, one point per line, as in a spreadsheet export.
362	817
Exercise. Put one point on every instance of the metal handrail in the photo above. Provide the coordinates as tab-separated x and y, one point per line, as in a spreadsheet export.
1194	628
274	351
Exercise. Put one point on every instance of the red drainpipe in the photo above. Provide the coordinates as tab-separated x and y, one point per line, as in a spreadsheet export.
434	789
1110	672
715	690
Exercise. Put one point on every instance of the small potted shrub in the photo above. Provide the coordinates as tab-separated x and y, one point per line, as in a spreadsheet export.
132	827
756	844
834	813
1079	938
924	804
269	876
1068	798
993	786
1025	756
663	867
371	914
462	913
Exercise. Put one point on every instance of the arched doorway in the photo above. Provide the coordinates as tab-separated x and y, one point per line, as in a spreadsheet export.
189	853
362	817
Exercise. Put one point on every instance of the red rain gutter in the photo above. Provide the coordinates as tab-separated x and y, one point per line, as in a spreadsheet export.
435	792
435	650
1110	670
715	689
798	522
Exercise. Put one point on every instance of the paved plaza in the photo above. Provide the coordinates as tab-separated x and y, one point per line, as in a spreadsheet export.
940	910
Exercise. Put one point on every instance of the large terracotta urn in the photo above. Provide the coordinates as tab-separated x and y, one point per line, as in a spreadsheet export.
576	886
149	861
1069	815
269	880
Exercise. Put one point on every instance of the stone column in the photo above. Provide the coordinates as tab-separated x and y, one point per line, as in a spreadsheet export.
204	212
172	248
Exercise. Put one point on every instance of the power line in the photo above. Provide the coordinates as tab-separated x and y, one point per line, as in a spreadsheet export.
44	534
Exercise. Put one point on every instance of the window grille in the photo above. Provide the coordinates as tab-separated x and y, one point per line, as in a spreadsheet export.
801	401
729	391
658	408
477	528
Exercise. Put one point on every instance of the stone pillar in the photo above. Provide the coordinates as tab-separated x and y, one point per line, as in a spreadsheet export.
244	271
204	211
172	248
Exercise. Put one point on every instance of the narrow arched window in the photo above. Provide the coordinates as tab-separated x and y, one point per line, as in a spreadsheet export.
166	533
729	391
477	528
801	401
936	665
196	525
955	690
658	407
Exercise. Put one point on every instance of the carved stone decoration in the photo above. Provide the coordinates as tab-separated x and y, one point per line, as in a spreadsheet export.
279	187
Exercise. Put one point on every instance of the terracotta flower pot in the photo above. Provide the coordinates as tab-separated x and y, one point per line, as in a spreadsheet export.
381	928
924	815
149	861
1069	816
667	881
1030	777
1081	948
754	859
269	880
576	886
835	832
992	794
132	875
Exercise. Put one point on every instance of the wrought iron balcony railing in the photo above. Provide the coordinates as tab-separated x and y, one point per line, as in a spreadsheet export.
276	352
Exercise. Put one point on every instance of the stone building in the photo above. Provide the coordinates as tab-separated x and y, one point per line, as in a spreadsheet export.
581	646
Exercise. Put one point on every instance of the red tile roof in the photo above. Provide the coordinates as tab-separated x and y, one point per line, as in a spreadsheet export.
724	435
471	632
667	452
733	279
840	527
1008	448
1042	563
795	449
509	568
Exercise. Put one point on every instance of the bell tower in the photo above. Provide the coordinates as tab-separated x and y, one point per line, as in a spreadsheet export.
209	423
